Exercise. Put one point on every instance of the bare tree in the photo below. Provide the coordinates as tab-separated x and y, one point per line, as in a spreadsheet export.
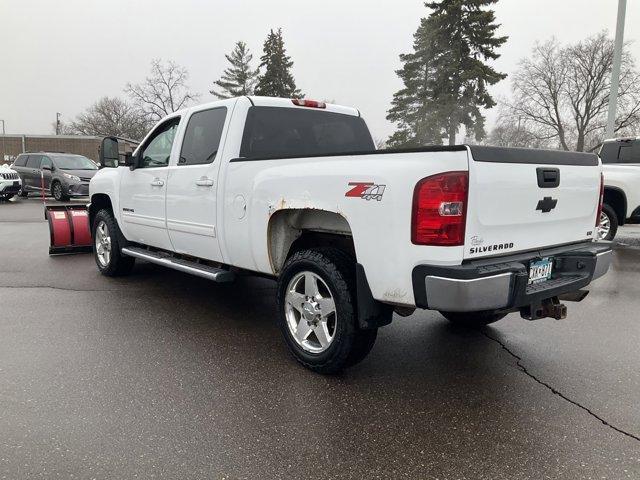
560	94
507	133
163	92
110	116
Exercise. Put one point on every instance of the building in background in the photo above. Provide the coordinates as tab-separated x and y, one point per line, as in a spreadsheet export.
13	145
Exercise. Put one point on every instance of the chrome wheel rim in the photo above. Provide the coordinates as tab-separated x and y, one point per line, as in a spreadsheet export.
310	312
103	244
57	191
604	227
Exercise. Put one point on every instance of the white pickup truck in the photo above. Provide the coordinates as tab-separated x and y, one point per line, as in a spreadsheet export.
621	165
294	189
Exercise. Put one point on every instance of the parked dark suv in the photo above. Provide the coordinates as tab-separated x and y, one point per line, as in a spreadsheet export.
63	174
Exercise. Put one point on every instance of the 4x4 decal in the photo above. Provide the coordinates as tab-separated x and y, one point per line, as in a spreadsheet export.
366	190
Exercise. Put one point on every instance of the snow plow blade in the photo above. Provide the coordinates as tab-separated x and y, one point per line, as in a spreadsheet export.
68	229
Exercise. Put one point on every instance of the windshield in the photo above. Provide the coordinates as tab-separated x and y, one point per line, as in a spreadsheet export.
74	162
289	132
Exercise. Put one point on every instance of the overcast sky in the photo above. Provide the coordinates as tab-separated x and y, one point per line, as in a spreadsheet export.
62	55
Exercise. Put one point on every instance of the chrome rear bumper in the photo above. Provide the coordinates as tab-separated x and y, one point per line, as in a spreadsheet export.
503	283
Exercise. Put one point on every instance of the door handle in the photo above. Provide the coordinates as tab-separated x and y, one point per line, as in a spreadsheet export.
157	182
204	182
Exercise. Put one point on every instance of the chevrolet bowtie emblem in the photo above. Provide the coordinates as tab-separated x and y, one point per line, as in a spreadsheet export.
547	204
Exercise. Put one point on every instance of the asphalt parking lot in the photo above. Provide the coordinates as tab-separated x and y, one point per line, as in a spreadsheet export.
165	375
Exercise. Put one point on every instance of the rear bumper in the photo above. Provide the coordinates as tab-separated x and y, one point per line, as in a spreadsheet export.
502	283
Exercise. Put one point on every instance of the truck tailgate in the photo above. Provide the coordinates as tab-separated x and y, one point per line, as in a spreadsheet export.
521	199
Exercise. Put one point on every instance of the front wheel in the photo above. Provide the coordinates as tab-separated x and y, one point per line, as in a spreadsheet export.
473	319
58	192
23	193
608	225
317	311
106	249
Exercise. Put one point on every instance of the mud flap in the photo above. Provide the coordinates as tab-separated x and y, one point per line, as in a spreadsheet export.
371	313
69	230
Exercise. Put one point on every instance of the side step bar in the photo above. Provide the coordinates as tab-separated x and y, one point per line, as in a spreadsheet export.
205	271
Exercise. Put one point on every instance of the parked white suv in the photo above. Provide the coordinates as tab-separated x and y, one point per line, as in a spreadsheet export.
294	189
10	183
621	166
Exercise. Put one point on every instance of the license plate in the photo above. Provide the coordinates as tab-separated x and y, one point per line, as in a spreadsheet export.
540	270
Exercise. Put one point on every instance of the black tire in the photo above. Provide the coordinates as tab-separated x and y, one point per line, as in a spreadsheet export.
9	197
613	222
22	193
118	264
473	319
57	191
350	344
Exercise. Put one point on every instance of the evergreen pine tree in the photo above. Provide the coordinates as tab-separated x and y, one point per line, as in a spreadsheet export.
277	80
239	79
446	76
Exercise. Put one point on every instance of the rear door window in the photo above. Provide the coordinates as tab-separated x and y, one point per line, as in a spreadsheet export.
272	132
202	137
34	161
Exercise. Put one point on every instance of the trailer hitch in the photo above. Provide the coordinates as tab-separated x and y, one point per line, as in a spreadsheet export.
548	308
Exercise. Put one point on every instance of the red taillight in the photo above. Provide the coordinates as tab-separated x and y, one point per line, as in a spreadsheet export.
308	103
601	201
440	210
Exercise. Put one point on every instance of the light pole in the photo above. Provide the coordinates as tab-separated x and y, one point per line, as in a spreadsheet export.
615	70
4	152
58	115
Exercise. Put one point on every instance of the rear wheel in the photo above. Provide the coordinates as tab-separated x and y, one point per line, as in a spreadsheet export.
317	311
106	249
608	226
473	319
58	192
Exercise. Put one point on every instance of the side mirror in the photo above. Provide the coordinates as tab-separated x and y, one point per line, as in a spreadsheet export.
130	160
109	152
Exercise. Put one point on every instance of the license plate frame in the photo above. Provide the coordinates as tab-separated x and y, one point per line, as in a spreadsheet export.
540	270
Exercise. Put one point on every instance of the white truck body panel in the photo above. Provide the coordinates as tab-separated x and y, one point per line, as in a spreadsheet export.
378	227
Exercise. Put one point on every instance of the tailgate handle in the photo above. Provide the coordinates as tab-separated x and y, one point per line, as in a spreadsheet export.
548	177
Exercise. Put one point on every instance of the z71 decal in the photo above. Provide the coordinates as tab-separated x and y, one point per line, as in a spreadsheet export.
366	190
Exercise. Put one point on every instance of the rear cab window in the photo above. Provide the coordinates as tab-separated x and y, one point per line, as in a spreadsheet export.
273	132
620	152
